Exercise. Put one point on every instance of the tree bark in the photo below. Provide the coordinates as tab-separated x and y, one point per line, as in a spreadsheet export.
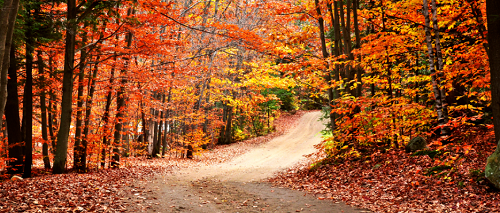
66	102
440	74
88	112
7	22
78	149
51	114
13	118
493	19
492	170
120	103
28	99
105	141
325	54
167	123
43	108
435	80
359	69
156	144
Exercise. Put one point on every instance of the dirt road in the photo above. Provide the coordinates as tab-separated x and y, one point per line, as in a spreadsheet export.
238	186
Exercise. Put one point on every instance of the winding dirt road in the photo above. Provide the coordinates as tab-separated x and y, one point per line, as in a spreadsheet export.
236	186
262	162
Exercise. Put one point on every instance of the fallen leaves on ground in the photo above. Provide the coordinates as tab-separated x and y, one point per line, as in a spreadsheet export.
101	190
395	181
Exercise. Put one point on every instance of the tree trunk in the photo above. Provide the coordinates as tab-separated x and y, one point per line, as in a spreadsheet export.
66	102
28	99
13	119
88	112
51	114
120	103
435	80
493	15
228	129
78	149
160	139
359	70
492	170
167	123
144	124
325	56
105	141
43	108
440	74
338	43
156	144
7	21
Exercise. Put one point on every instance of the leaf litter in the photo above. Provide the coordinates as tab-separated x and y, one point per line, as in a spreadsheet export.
102	190
395	181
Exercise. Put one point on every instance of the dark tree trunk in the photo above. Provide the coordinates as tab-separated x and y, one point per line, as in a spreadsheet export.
88	111
359	69
105	141
338	44
66	102
7	22
78	149
120	103
160	139
144	122
493	16
43	108
228	129
324	51
156	144
13	119
28	100
51	114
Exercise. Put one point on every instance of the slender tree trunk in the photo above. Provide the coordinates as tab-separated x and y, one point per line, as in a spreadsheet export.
43	108
7	21
52	108
105	141
88	111
28	100
144	123
167	123
228	129
324	51
13	119
338	43
156	147
435	79
78	149
440	74
159	137
66	102
120	103
359	70
161	118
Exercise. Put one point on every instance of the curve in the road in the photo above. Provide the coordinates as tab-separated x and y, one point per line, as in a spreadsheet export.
278	154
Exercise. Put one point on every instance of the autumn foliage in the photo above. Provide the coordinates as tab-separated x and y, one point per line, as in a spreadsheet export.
91	82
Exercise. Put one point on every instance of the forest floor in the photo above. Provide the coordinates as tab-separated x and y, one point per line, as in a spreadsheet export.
231	178
238	185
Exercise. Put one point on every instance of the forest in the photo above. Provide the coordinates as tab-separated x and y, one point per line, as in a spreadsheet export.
88	86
